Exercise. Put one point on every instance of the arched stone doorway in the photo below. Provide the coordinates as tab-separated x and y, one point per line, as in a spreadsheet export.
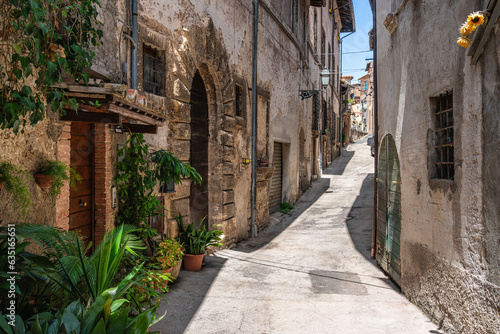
199	201
389	209
201	61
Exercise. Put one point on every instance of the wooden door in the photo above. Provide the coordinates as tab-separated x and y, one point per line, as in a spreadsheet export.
303	181
81	207
389	209
276	180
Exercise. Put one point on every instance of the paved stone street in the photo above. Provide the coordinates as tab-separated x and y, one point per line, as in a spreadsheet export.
310	271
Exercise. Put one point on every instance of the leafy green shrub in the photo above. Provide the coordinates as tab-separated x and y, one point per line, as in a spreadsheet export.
196	240
76	275
83	287
139	173
107	314
10	174
285	207
47	45
168	253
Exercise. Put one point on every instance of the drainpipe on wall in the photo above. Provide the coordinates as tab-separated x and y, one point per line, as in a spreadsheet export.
134	50
375	126
254	111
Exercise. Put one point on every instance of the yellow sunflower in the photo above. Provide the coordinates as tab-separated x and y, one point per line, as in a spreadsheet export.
463	41
467	29
475	19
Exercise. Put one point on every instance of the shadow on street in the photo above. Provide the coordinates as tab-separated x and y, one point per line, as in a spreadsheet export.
189	291
339	165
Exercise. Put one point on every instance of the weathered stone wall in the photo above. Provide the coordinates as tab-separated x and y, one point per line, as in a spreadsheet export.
444	232
215	38
28	151
491	142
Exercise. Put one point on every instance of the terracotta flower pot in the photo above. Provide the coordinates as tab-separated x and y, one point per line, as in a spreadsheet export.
44	181
192	262
176	269
2	183
263	163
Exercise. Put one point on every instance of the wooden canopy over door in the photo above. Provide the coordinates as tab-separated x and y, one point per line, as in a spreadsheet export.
81	207
276	180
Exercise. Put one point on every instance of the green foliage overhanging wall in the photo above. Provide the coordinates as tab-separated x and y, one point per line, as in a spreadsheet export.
47	38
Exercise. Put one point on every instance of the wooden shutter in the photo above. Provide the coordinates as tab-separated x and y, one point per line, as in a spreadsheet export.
277	179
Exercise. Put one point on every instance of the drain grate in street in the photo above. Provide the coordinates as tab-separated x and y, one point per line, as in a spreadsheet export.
331	282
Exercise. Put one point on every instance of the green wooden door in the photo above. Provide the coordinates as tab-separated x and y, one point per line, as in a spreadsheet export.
389	209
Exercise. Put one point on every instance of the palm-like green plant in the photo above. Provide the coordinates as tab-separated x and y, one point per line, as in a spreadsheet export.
196	239
107	314
77	275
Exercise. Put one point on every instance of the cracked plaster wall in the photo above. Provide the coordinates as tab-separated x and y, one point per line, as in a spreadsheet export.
446	230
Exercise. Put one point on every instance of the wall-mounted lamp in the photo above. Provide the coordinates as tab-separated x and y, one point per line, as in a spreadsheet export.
325	77
245	161
325	81
116	128
170	188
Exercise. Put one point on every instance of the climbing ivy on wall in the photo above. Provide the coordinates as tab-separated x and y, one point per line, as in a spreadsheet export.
41	41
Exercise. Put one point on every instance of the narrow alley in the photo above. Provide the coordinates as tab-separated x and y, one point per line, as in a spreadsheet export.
309	271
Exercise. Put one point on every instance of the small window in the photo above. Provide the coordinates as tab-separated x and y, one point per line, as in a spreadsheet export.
153	70
443	105
323	43
294	19
366	85
315	30
240	103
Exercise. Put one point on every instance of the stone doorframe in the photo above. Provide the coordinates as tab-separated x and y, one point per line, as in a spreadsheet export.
201	48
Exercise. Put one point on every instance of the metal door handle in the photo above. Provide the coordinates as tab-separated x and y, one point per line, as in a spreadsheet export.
82	203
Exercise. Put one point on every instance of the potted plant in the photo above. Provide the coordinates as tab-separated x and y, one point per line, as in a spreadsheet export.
52	174
10	178
169	254
195	241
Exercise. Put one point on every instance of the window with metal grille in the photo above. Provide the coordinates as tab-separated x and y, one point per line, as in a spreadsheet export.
239	100
443	105
153	70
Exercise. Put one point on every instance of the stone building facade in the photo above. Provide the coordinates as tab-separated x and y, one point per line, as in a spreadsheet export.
438	198
194	98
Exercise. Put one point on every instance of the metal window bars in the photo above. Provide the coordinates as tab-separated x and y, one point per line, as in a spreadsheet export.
444	136
153	70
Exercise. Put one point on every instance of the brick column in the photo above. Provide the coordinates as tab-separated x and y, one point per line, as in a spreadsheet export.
63	155
103	176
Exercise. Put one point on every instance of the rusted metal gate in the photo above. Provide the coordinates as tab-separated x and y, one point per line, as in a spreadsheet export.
276	180
389	209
